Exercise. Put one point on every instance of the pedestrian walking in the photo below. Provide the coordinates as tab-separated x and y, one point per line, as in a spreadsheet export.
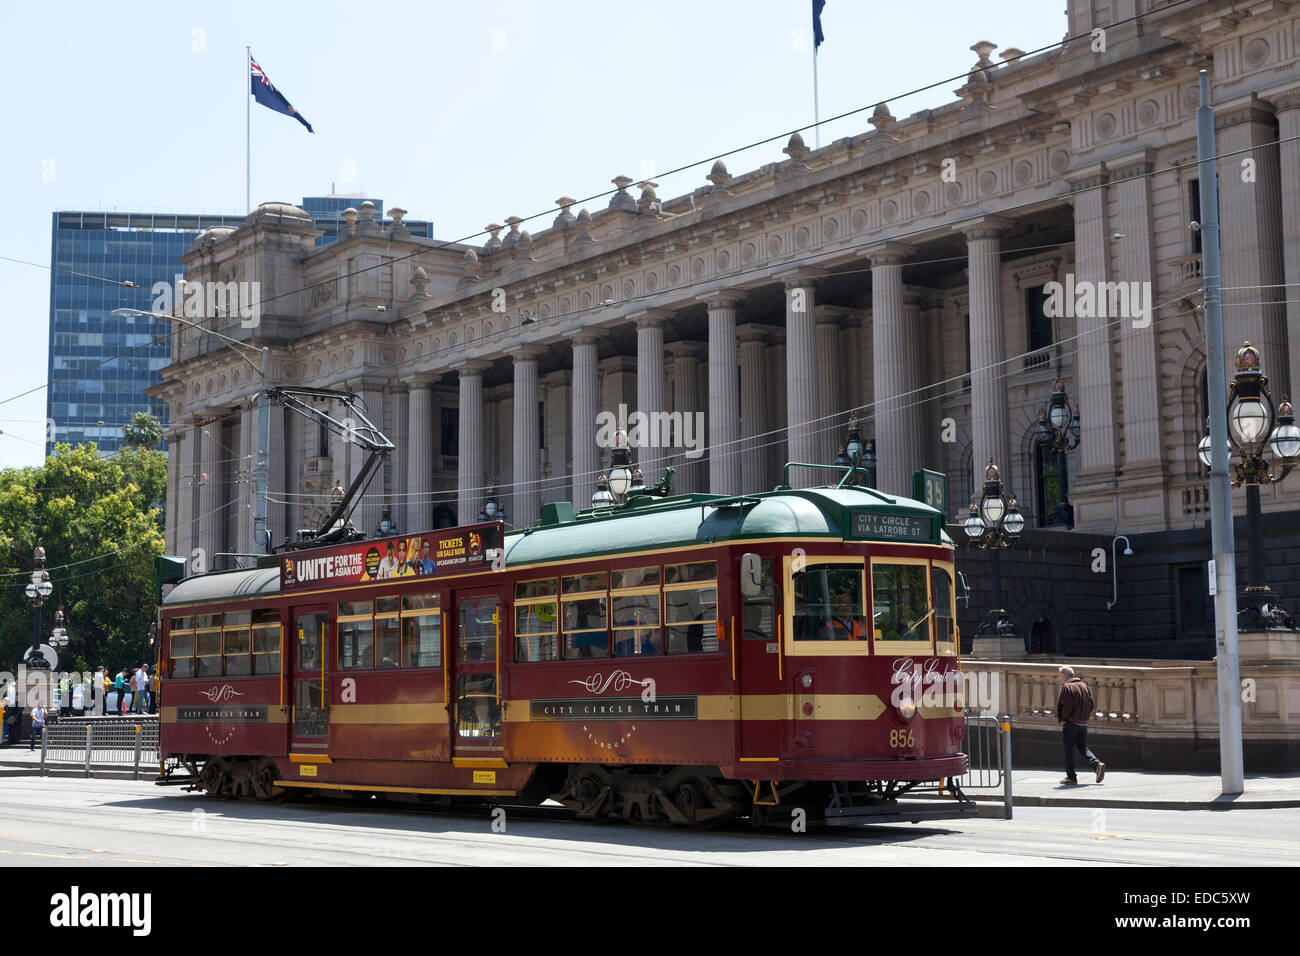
1074	708
38	725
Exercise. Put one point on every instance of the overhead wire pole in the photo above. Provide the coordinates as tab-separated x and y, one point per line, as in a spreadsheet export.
817	42
248	129
261	535
1225	555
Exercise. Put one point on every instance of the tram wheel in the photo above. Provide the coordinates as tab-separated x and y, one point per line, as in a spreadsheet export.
689	799
214	779
264	777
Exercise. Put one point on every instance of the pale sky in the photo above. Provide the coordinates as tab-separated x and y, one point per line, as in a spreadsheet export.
461	113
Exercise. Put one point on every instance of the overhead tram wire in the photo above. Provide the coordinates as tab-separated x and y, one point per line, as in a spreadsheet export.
608	192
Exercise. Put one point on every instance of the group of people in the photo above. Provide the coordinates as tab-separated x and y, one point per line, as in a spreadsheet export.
128	691
396	564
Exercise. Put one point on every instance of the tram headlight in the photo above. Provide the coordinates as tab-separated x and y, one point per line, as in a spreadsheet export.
907	708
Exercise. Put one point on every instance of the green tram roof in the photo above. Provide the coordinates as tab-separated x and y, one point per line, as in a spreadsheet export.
645	524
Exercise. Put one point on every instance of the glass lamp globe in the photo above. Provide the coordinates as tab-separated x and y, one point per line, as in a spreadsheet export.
1285	444
602	498
638	480
1014	522
620	480
1249	421
992	508
974	525
490	508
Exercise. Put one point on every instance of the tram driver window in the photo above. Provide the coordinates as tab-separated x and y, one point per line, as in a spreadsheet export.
828	603
944	619
900	602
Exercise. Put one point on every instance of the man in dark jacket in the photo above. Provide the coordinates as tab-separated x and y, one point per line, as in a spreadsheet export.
1073	708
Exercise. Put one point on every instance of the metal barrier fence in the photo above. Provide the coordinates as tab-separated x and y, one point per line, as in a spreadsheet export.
988	745
128	741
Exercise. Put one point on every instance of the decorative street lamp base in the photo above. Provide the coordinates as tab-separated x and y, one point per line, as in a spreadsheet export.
1258	611
998	639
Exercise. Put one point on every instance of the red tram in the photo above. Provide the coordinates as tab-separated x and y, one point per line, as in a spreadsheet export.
677	660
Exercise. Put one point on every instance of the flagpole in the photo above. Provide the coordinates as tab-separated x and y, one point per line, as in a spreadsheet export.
817	129
248	131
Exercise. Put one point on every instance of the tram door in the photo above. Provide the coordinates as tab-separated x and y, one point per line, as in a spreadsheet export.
760	668
480	632
309	654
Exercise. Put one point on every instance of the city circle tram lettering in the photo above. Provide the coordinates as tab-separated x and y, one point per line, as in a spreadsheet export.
615	708
896	527
235	713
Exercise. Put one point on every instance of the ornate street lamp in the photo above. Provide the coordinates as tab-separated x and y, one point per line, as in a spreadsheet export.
992	525
620	466
492	510
37	590
857	454
625	479
1058	432
1257	432
58	636
603	498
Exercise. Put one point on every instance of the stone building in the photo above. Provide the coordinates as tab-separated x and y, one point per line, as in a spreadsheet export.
903	272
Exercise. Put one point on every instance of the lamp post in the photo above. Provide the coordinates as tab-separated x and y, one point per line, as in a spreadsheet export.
38	589
1258	433
858	454
624	479
492	510
992	525
1058	432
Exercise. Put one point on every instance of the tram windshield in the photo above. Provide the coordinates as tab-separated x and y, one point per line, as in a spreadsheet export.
828	603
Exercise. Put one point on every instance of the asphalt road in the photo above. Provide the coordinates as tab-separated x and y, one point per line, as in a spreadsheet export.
74	822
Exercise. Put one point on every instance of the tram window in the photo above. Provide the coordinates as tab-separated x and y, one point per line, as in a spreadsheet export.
421	631
207	639
900	602
760	612
691	612
309	717
586	631
236	647
478	712
182	647
945	623
537	631
579	583
356	631
545	587
635	578
266	642
388	631
637	630
478	629
828	603
697	571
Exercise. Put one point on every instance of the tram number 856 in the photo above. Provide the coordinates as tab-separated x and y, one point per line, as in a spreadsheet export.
901	738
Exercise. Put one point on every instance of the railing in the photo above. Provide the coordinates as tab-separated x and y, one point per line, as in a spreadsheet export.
450	462
1196	500
316	467
1186	270
987	743
1036	360
127	741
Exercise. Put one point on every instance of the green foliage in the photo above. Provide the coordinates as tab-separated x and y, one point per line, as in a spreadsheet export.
142	431
81	506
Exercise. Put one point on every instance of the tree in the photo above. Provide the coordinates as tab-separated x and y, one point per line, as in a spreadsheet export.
142	431
100	522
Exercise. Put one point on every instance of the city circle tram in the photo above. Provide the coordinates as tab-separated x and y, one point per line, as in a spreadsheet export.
677	660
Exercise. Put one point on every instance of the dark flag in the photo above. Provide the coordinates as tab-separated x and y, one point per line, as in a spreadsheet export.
818	36
264	92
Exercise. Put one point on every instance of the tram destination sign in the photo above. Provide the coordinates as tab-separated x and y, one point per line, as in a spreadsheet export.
469	548
868	524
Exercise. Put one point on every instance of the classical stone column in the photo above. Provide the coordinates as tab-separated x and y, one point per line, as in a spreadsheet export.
526	475
295	456
469	467
277	469
240	490
370	507
1144	497
398	419
1093	490
557	434
776	446
175	453
212	513
987	345
649	388
754	470
724	395
1288	121
1252	239
689	441
419	456
586	404
830	383
801	378
894	427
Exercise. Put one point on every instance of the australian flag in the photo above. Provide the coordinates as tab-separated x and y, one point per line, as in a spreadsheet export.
264	92
818	37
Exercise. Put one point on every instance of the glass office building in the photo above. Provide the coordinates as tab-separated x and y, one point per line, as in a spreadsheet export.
99	364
